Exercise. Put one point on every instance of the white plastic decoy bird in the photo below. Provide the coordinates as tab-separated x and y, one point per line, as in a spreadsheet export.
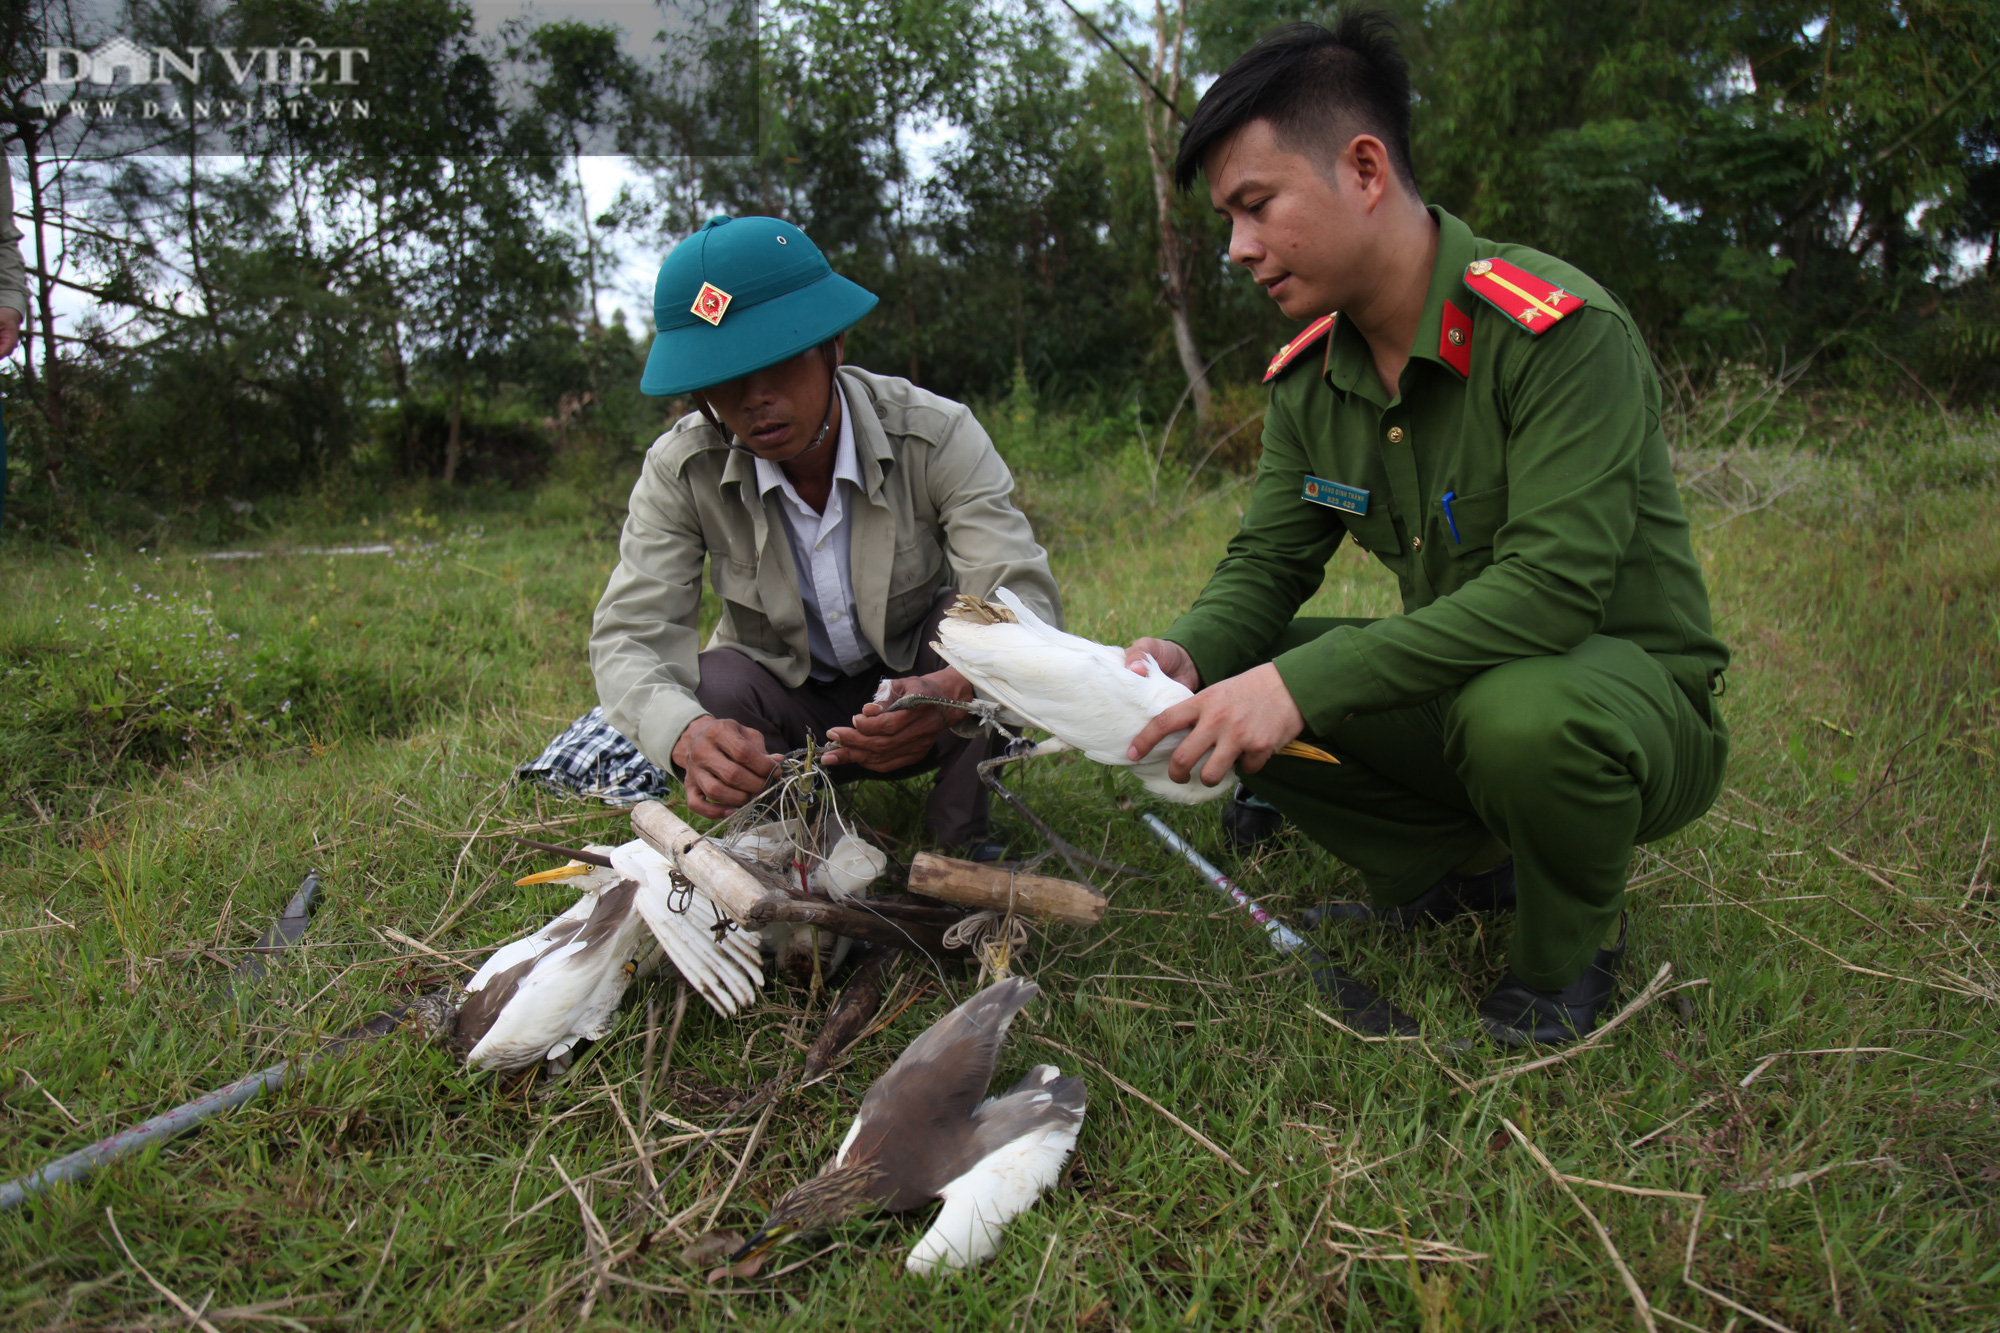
1079	691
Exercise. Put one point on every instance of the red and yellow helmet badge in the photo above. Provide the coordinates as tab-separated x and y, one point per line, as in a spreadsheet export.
711	303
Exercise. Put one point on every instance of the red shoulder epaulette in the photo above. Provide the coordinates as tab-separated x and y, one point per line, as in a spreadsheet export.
1531	302
1289	353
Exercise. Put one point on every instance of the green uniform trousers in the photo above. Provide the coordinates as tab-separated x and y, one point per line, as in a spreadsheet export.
1571	760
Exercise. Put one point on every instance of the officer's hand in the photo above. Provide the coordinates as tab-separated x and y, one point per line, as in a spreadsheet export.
10	330
1173	660
724	765
883	742
1237	723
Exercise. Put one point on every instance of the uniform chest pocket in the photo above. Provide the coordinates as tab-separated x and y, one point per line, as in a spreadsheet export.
1476	518
736	583
743	606
1374	532
914	578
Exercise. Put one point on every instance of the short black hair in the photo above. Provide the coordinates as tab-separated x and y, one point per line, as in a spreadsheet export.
1312	83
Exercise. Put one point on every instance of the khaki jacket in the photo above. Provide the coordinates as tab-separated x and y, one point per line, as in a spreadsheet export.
13	274
938	514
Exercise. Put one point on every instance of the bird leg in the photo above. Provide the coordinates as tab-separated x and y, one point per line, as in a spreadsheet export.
1020	748
987	712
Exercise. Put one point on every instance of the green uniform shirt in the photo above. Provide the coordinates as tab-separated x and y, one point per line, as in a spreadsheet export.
1568	519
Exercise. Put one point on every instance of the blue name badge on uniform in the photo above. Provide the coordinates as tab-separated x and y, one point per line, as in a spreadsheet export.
1334	495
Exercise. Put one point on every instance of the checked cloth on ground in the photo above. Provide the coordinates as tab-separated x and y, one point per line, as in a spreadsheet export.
591	758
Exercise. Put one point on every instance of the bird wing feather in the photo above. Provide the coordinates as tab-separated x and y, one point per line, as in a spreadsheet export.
569	991
917	1120
727	974
1022	1140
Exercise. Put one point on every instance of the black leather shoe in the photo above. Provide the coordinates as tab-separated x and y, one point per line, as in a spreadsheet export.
1454	895
1516	1014
985	851
1357	1003
1249	821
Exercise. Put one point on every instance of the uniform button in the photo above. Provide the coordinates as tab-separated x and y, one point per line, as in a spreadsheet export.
821	546
1416	543
834	618
1395	434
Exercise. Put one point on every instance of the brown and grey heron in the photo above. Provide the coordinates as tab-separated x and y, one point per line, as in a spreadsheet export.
924	1133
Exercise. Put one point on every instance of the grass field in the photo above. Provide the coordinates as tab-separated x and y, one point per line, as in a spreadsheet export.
1806	1139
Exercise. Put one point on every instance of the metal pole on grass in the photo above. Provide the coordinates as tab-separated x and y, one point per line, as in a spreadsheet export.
1355	998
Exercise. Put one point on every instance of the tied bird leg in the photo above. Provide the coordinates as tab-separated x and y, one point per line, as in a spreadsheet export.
1018	747
1078	858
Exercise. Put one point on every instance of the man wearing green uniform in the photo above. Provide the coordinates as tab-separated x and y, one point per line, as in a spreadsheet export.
1484	419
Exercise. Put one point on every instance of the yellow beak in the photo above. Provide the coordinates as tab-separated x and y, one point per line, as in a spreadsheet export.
1300	750
570	871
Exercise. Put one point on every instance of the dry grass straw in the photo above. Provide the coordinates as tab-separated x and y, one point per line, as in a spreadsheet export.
1640	1304
1206	1142
1687	1276
1653	991
193	1315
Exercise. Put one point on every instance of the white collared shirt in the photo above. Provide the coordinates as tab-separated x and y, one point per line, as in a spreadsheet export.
820	548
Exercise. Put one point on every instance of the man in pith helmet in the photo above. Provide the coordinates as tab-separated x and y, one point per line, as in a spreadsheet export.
838	513
1484	419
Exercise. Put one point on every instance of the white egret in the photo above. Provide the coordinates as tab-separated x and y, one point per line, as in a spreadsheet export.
1079	691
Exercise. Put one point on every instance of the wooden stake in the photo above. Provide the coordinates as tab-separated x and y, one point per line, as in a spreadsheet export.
971	884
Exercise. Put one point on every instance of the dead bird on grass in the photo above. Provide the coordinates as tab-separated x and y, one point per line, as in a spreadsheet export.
924	1133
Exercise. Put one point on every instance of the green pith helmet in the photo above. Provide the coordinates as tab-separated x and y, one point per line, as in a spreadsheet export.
739	295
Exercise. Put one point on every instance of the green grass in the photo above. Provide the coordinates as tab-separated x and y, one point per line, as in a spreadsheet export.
391	1190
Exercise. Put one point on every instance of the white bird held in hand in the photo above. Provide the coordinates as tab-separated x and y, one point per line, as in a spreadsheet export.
1079	691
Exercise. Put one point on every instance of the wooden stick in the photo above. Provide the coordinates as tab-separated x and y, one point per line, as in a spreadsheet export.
859	1001
1125	1087
720	875
1642	1306
856	922
971	884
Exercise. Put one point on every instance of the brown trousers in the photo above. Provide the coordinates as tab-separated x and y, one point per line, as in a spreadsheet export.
737	688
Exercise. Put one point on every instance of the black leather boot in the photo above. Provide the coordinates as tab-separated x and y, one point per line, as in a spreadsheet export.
1516	1014
1248	821
1454	895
